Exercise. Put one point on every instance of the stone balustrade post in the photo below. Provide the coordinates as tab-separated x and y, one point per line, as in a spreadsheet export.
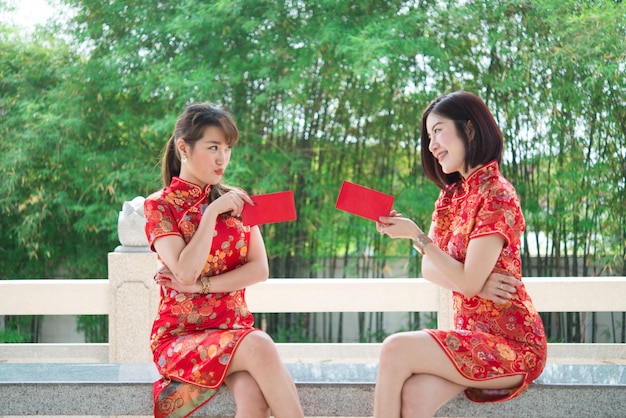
445	314
133	295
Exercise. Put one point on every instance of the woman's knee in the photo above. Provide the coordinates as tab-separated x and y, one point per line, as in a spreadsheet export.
390	357
395	346
260	344
391	344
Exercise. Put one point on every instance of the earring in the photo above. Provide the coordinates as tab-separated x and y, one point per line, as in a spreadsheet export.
183	159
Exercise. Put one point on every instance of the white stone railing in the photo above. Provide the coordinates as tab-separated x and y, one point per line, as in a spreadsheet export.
130	298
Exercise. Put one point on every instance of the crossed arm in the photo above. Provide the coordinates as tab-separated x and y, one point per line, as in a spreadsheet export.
473	277
255	269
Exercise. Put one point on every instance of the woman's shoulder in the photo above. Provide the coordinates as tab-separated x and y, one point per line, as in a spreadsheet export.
499	188
158	197
489	182
163	201
500	197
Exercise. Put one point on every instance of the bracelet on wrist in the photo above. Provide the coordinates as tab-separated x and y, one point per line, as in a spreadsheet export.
421	241
206	285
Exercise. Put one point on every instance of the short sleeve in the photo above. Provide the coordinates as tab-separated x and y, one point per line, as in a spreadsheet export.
160	220
500	213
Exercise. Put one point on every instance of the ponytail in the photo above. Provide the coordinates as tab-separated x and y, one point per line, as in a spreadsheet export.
170	165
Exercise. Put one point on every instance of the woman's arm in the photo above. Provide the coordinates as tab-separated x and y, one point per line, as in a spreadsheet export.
186	261
440	268
255	270
429	271
498	288
466	278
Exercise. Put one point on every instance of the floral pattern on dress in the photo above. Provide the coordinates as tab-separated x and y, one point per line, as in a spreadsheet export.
194	336
489	340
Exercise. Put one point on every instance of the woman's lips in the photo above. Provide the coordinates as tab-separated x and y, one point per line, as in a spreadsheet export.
219	172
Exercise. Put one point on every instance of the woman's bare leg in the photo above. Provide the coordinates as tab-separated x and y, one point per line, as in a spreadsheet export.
412	353
424	394
258	356
248	396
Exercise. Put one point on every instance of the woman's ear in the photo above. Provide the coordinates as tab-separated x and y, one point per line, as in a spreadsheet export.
181	147
469	130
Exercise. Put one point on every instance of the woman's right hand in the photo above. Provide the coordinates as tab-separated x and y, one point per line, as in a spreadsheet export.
165	277
232	201
395	226
499	288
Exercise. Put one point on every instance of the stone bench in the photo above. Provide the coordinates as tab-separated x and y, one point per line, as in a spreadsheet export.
325	389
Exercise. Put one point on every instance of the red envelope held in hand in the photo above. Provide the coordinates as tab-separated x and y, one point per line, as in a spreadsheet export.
269	208
364	202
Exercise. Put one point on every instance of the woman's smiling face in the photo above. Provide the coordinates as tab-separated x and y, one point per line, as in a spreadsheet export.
446	145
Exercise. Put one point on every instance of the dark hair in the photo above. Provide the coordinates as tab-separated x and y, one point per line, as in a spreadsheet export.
190	128
469	113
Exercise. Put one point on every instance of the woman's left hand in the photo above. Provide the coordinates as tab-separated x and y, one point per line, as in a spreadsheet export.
499	288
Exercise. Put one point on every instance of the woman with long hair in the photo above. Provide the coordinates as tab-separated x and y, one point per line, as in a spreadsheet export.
203	335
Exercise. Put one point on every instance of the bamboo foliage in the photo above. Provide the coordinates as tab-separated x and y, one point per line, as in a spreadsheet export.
323	91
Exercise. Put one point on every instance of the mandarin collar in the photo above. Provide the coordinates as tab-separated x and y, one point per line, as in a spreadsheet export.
476	178
194	190
479	176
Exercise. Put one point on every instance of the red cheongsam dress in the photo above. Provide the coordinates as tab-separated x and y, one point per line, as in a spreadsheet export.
489	340
195	336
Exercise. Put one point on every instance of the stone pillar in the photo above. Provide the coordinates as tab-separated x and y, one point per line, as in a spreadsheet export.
445	315
133	295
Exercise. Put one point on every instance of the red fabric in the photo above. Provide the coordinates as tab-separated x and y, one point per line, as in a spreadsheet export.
489	340
194	336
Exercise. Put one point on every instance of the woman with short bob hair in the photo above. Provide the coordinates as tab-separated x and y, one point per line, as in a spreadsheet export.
486	143
498	345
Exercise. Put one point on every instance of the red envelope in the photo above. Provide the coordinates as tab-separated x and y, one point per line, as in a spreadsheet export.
364	202
269	208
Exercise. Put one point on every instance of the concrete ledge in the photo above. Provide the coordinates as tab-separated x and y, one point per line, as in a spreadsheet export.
326	389
300	353
54	353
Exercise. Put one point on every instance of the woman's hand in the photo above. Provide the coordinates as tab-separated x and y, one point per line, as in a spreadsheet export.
396	226
499	288
232	201
164	277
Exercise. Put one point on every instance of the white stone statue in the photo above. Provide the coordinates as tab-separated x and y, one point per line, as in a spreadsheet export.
131	226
